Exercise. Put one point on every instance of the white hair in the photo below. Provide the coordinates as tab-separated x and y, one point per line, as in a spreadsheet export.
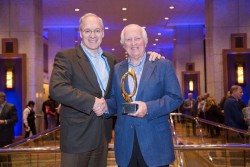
144	33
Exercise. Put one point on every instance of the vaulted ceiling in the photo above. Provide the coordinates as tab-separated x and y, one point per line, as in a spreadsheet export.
149	13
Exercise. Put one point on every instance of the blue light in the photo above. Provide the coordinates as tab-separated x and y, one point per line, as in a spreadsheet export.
12	97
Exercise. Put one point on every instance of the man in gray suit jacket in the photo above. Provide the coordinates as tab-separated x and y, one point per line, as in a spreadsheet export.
8	119
81	77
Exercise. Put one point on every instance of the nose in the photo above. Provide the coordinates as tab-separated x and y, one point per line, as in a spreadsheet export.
92	33
133	41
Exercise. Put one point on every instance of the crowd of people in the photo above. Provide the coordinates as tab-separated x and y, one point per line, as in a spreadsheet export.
228	111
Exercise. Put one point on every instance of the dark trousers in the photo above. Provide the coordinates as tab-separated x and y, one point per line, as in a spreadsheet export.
137	159
95	158
32	129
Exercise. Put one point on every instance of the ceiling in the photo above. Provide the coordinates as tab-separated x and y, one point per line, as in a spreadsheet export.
148	13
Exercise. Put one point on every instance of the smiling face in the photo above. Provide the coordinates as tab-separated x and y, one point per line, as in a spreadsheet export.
134	42
91	32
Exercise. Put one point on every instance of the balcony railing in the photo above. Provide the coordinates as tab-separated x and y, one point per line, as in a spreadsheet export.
197	142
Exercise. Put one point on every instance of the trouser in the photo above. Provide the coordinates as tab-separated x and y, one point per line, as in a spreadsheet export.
32	129
95	158
137	159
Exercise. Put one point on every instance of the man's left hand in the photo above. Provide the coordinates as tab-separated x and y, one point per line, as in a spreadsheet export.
142	110
154	55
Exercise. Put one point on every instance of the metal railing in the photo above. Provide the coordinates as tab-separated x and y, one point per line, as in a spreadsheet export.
43	149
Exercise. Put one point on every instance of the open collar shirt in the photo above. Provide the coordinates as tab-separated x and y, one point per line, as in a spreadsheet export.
138	71
100	66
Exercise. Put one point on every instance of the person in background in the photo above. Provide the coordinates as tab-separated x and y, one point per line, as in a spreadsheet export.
143	138
233	115
44	113
50	109
213	113
222	101
188	105
197	106
8	119
189	109
80	80
29	119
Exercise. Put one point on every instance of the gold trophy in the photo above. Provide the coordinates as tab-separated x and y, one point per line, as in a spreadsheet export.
129	107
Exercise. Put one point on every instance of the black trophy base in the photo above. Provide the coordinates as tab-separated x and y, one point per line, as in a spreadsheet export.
128	108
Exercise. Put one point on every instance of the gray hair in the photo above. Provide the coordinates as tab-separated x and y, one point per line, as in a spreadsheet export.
144	33
2	94
89	15
234	88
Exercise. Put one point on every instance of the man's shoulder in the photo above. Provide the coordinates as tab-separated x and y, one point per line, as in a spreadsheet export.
230	99
121	63
109	55
9	106
160	62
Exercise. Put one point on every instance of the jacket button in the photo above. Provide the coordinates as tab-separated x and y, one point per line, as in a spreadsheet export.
131	126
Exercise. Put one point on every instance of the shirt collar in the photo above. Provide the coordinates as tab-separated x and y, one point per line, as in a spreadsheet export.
141	61
89	53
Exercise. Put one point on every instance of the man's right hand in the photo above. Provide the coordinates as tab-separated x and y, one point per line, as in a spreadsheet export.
100	106
2	122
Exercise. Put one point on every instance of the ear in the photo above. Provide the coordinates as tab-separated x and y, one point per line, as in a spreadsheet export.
80	34
103	34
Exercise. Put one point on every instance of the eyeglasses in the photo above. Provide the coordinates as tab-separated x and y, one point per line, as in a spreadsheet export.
88	32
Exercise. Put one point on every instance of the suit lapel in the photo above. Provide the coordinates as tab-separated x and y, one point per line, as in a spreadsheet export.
4	109
111	69
87	68
145	77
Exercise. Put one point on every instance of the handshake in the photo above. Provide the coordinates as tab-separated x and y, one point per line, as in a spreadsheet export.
100	106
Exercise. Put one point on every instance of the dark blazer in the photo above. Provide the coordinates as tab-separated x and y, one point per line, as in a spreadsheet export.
74	84
233	114
160	90
8	113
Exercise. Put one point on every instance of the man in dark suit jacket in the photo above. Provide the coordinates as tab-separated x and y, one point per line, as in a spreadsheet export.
80	81
8	119
233	109
144	138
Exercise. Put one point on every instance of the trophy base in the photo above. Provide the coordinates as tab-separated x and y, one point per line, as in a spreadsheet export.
128	108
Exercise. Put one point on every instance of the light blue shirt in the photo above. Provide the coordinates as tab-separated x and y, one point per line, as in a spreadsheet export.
138	71
100	66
